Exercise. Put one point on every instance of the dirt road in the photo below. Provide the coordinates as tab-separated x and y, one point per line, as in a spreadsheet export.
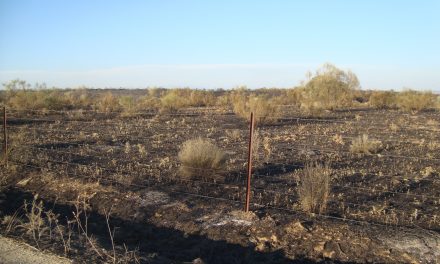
13	252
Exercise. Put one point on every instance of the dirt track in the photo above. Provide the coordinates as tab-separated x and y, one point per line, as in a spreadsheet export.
18	252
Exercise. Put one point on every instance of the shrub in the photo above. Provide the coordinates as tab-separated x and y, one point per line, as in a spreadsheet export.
201	98
151	100
128	105
201	159
330	88
172	101
416	101
79	98
382	99
38	99
314	188
107	103
265	111
364	145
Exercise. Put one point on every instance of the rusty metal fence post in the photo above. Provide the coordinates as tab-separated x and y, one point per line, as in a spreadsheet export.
248	186
5	138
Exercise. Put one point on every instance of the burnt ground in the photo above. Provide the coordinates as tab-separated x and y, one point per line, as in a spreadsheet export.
383	207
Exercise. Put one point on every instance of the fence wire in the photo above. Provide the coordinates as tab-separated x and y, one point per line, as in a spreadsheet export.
33	121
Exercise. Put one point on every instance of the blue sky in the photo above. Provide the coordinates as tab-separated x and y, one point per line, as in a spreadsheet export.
209	44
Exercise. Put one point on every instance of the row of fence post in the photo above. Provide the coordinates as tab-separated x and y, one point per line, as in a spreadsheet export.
249	167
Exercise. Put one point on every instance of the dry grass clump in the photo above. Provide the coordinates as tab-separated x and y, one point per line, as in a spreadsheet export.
200	158
382	99
314	188
364	145
416	101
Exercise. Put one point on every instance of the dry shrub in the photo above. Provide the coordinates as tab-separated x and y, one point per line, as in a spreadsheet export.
176	99
172	101
416	101
200	98
291	97
151	100
79	98
330	88
200	158
264	109
107	103
314	188
223	101
41	99
364	145
128	105
382	99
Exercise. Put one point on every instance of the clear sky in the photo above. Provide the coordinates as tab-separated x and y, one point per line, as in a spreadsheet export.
389	44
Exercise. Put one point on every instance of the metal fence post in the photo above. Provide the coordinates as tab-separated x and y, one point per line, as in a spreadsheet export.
5	137
248	186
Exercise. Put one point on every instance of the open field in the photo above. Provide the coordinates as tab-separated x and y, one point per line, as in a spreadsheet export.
383	203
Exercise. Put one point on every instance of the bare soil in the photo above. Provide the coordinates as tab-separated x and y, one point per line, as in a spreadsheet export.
384	207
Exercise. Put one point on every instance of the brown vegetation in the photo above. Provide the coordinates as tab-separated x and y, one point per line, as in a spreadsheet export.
365	145
200	158
314	188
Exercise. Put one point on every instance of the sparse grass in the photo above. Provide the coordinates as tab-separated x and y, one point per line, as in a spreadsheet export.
314	188
364	145
200	158
35	224
233	134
